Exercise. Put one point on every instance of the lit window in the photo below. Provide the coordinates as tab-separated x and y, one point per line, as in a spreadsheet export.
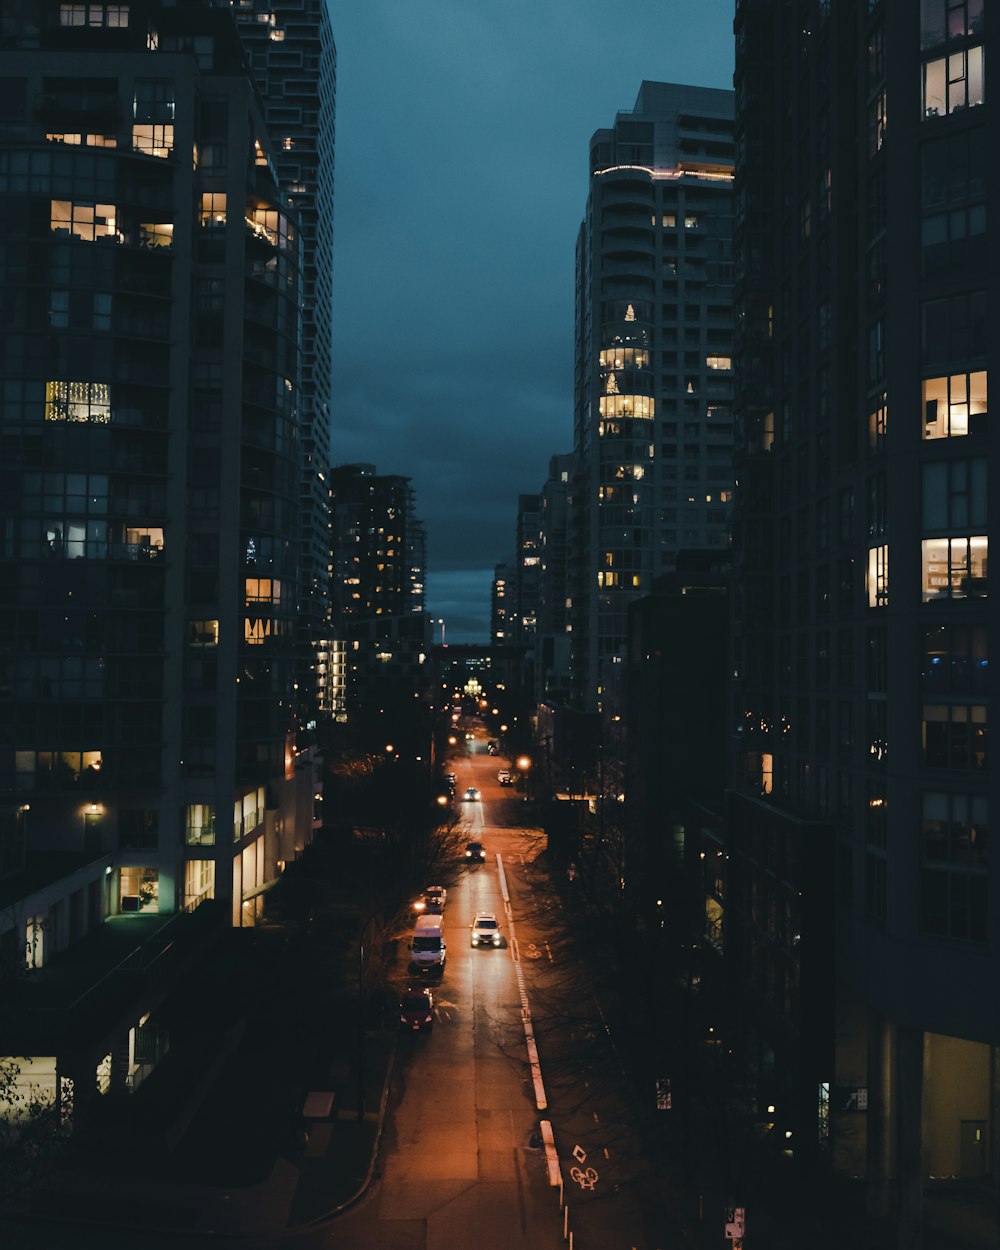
91	141
84	402
203	634
878	577
153	139
950	402
213	208
262	590
690	221
954	568
83	221
953	82
156	234
719	362
639	406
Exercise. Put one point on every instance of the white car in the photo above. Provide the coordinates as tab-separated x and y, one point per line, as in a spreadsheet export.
486	929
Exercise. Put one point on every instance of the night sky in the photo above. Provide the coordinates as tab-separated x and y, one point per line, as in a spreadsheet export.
461	180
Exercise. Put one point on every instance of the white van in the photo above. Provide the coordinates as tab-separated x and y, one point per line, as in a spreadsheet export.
427	946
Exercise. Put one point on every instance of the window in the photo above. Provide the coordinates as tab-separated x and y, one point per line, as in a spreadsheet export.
877	580
955	736
153	139
84	402
954	329
111	16
953	82
88	140
83	221
954	494
213	208
876	353
877	729
154	100
954	904
956	828
199	824
953	169
954	568
718	362
876	124
955	659
203	634
953	243
101	310
943	21
878	417
951	402
155	234
58	309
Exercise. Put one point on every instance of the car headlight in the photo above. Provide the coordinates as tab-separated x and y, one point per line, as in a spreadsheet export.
468	854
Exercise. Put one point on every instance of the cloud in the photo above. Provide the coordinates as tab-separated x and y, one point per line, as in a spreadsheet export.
461	181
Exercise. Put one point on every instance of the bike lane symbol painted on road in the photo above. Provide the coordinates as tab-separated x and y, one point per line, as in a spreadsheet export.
585	1179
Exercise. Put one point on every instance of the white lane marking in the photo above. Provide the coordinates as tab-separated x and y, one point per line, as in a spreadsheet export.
549	952
596	1119
541	1101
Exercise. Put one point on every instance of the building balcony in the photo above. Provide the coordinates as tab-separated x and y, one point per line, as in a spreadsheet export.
88	988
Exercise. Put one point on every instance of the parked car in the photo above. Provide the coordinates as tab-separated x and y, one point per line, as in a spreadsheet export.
471	795
436	895
475	851
486	929
428	951
416	1009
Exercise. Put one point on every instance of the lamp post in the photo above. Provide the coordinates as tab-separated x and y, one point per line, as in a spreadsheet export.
523	763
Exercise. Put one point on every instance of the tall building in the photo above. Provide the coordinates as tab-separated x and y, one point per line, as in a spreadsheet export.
150	269
379	546
382	636
653	375
502	605
527	547
552	636
862	617
292	53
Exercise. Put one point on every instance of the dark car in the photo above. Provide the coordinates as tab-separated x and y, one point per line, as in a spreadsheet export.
475	851
416	1010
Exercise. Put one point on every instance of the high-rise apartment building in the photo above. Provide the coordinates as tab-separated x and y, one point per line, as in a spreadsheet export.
653	375
552	636
382	636
862	617
502	605
528	555
150	376
379	546
292	53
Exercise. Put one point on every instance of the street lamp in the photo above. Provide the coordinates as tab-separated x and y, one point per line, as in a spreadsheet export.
523	763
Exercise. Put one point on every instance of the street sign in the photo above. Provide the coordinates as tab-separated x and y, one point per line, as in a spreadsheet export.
735	1223
664	1098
